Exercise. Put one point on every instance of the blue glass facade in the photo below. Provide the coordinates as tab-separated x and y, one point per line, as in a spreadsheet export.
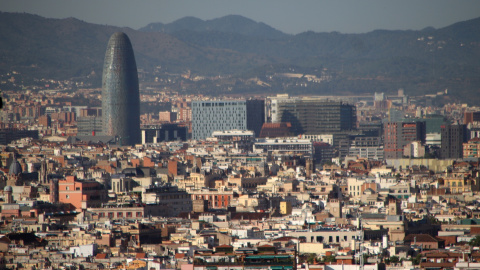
120	94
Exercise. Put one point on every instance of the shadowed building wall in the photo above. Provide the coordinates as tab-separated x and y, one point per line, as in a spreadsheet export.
255	115
120	94
311	116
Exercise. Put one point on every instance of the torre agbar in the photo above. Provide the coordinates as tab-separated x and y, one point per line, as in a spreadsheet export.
120	94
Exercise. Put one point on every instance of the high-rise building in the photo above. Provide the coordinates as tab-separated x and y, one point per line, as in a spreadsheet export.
398	134
165	133
120	94
367	147
312	116
89	123
89	126
45	120
453	137
8	135
433	122
217	115
255	115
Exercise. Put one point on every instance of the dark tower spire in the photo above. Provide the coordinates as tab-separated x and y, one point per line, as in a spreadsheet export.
120	94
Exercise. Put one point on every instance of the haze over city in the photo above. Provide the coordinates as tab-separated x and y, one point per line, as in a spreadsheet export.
292	17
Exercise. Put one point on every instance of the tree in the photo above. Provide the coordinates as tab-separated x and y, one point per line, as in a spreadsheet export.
394	259
432	220
311	258
329	258
417	259
475	242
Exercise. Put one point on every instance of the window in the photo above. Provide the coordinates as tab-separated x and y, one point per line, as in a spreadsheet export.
67	197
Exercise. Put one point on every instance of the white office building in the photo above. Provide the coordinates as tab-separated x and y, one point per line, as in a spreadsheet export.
284	146
217	115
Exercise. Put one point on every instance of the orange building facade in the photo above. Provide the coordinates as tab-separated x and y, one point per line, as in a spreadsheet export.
81	194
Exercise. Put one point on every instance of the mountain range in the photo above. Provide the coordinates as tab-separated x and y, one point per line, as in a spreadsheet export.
421	62
228	24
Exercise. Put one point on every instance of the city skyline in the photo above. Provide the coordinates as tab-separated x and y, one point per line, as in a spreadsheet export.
184	202
346	16
246	148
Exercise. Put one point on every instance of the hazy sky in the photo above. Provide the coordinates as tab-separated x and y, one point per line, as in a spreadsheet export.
345	16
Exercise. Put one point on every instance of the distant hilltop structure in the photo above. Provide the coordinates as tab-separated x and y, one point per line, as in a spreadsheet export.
120	94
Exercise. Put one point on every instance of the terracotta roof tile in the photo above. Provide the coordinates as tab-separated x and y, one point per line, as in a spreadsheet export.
101	256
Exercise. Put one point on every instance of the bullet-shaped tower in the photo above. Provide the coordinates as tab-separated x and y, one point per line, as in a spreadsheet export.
120	94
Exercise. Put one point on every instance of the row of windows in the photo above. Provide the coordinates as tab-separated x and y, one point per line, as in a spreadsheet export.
216	204
217	115
172	197
400	191
320	239
119	214
92	197
217	104
218	121
210	197
454	184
